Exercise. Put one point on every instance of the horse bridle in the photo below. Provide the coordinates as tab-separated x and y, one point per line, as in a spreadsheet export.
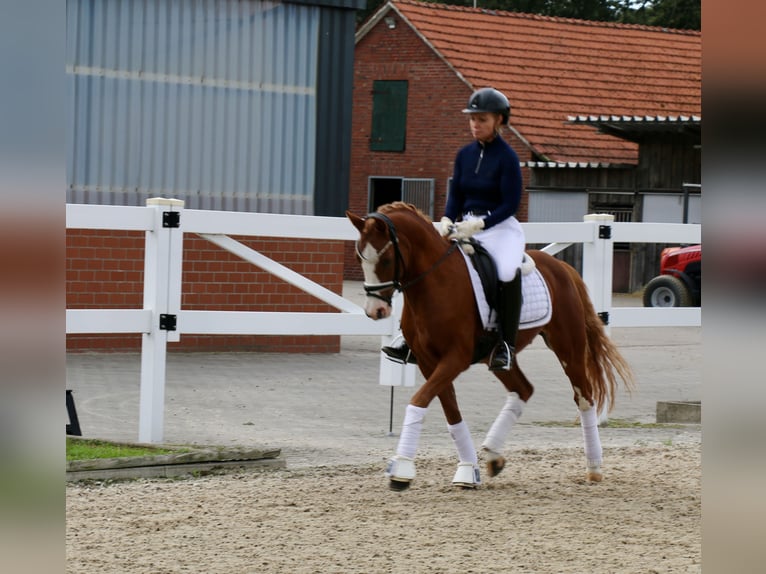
373	289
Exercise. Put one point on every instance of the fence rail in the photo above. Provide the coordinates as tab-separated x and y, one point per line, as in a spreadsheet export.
163	260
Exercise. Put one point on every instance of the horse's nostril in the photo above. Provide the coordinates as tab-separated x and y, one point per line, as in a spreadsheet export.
381	314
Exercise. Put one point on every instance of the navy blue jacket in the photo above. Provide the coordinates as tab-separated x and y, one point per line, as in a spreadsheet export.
486	177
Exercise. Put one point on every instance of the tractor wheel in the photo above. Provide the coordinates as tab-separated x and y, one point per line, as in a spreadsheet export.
666	291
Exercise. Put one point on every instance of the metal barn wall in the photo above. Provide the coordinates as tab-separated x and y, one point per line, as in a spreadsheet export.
334	100
546	206
669	208
209	101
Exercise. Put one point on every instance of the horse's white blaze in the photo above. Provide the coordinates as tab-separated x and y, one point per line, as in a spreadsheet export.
373	307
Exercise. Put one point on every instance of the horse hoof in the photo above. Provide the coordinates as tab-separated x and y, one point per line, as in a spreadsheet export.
398	485
494	467
467	476
595	476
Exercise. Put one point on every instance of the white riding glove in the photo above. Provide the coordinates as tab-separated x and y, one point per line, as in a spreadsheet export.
446	226
466	229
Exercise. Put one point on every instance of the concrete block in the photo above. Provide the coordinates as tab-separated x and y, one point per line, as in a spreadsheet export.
689	412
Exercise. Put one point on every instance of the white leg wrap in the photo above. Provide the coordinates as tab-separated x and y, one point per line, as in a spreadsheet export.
589	423
503	424
461	436
413	423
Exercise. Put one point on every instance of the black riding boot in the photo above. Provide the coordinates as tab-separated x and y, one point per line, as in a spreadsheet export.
509	310
399	352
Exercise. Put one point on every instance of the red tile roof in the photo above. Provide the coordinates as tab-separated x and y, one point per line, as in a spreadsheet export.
554	68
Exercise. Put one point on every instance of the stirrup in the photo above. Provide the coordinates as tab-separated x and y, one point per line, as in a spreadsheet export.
501	358
401	354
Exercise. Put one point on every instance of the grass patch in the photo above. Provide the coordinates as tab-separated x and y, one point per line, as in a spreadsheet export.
612	423
87	449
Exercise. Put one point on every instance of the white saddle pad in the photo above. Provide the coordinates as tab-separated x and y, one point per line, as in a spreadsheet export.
536	309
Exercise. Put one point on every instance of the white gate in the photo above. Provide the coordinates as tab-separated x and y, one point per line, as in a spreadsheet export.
162	320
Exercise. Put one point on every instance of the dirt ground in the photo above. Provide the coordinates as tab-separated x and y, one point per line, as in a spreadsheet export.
539	516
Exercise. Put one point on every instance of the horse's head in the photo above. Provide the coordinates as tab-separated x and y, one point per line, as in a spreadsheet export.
378	251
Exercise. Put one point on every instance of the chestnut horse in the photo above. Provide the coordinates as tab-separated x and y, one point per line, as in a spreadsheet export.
400	249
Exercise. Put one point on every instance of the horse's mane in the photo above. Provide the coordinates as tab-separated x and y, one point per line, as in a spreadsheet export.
400	205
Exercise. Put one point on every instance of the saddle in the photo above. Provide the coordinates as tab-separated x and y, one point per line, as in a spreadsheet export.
485	266
537	306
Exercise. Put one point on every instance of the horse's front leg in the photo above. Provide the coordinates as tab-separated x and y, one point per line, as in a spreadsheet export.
467	474
401	468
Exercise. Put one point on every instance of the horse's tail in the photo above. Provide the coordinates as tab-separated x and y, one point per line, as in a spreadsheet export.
603	361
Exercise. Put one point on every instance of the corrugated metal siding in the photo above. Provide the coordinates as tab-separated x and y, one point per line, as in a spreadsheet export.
335	84
557	206
210	101
420	193
669	208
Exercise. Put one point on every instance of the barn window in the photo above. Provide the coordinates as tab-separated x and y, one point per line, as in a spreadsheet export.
389	115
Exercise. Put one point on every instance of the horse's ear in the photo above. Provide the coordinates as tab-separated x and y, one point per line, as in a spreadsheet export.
357	221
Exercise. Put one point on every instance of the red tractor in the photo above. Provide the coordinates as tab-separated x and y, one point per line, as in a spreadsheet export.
679	283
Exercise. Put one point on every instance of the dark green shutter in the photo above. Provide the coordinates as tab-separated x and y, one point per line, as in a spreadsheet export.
389	115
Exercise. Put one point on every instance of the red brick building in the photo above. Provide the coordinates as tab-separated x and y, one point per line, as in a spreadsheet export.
417	63
105	271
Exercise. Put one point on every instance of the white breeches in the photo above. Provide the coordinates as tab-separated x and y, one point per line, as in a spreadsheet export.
505	242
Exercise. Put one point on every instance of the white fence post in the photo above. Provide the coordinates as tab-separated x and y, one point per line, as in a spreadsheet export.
162	296
393	374
597	261
597	256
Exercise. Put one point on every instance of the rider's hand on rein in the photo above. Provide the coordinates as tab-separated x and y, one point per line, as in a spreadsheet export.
447	227
466	229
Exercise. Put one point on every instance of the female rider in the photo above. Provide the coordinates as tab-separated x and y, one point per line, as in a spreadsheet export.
483	199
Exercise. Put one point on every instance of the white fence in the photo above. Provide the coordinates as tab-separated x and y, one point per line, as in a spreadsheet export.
162	320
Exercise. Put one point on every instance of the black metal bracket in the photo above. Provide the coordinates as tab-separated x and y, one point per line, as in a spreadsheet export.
604	231
168	322
604	316
73	428
171	219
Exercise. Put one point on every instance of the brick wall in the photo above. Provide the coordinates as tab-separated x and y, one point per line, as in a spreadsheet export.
436	128
105	270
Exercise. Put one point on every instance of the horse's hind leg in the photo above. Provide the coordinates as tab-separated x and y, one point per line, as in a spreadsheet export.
519	391
592	440
574	367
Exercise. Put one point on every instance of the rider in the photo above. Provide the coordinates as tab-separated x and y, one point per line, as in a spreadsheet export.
484	196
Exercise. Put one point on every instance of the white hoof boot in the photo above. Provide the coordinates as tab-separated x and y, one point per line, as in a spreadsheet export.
467	475
400	469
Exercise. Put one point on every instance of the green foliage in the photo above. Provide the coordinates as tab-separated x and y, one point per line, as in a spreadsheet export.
86	449
682	14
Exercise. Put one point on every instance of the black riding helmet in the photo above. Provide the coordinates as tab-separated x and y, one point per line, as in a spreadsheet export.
489	100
